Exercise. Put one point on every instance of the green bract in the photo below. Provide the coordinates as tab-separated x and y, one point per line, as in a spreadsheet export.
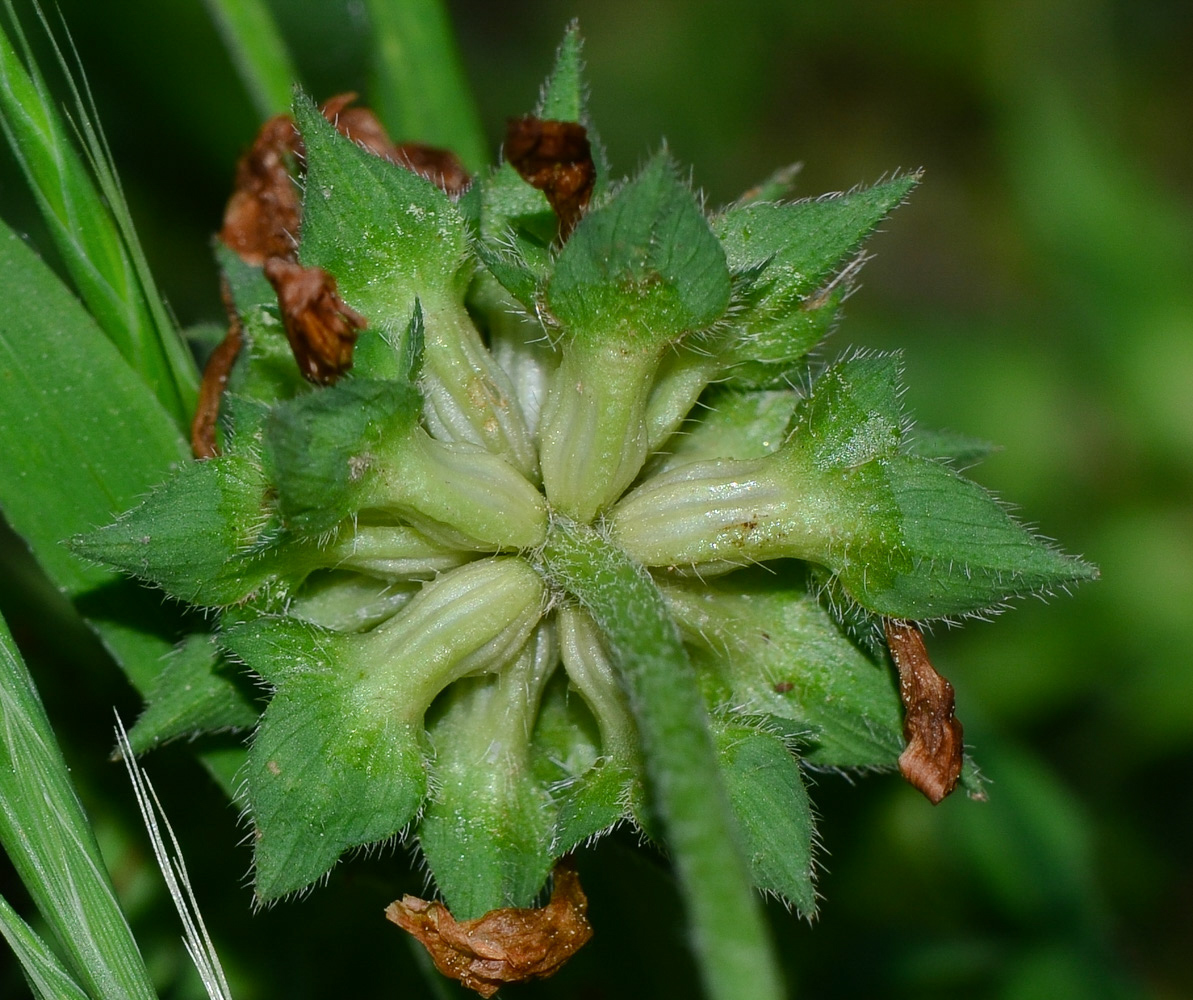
499	581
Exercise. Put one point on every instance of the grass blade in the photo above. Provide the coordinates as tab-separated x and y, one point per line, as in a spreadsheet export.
51	844
419	88
251	36
730	937
81	440
46	975
96	241
173	869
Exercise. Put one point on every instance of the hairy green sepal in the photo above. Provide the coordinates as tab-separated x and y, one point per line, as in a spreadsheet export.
339	759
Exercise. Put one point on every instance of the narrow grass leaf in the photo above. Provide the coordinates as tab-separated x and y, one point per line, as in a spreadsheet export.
257	51
419	88
44	971
173	868
96	241
81	439
50	842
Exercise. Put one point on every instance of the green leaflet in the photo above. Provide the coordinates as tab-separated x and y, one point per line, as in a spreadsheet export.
773	652
197	536
776	186
642	270
357	446
785	255
852	415
246	282
344	601
487	829
321	448
264	371
565	98
81	439
391	238
197	691
767	791
638	274
958	550
732	424
322	776
386	234
802	244
595	802
511	266
512	208
960	449
916	540
612	787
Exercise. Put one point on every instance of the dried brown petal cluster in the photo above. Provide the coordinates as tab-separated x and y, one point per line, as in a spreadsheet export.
933	756
261	224
264	212
556	158
321	327
439	166
504	946
215	377
262	216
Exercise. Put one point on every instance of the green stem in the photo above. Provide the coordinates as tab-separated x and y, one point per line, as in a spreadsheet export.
419	89
258	53
51	844
730	936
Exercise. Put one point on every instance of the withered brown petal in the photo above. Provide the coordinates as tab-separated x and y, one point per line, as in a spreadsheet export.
321	327
556	158
440	166
933	756
358	124
262	216
509	945
215	377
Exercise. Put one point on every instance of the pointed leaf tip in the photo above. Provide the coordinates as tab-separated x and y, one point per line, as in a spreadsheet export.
644	267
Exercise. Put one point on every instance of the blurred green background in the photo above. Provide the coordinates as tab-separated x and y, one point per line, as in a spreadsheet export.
1040	284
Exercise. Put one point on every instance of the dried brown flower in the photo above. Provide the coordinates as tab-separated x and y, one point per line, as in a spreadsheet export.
440	166
556	158
321	327
215	377
509	945
933	757
262	216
